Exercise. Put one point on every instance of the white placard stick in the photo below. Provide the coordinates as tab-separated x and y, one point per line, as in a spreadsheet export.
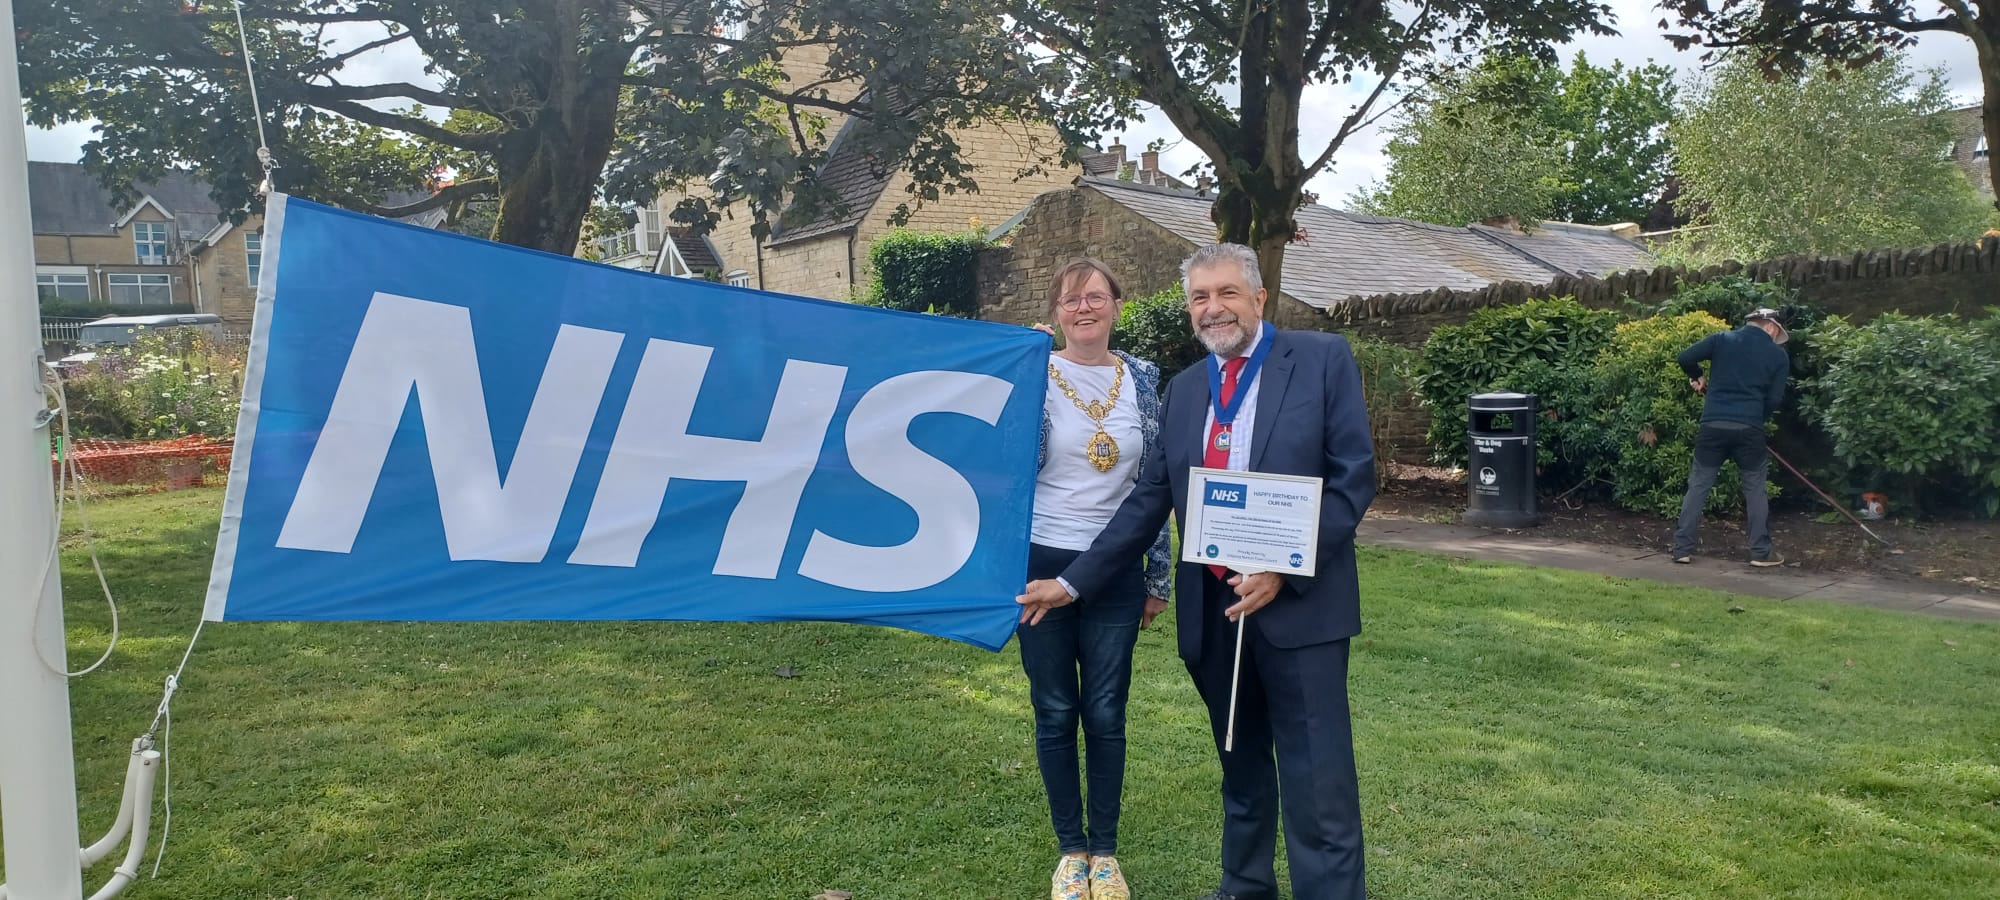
1235	677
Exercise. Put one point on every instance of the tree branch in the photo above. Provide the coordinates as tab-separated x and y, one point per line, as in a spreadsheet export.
1817	14
450	194
1971	27
318	93
338	61
477	143
267	14
1354	121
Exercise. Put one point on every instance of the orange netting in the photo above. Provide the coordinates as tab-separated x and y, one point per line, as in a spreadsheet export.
180	462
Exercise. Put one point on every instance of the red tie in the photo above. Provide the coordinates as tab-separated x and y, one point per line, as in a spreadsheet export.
1215	455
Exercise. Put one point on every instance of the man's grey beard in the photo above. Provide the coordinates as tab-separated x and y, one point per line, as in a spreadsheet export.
1231	344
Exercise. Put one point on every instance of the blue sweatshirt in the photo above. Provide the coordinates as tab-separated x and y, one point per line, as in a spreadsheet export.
1746	375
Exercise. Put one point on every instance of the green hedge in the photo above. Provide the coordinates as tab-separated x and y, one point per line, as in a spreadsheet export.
1645	416
69	309
1156	328
1540	347
925	272
1906	406
1388	382
1913	408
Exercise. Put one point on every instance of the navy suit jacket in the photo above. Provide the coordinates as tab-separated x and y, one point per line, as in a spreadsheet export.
1310	421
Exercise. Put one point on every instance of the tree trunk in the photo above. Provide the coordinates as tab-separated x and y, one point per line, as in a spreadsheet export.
1989	110
549	169
1263	220
554	155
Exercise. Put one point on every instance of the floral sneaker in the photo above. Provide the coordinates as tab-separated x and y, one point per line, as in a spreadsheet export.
1106	882
1072	879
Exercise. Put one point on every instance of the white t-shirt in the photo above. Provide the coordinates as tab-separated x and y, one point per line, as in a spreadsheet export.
1074	501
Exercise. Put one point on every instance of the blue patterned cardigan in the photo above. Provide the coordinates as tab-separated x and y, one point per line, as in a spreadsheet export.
1146	378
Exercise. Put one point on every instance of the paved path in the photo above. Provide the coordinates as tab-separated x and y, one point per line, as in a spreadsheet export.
1929	598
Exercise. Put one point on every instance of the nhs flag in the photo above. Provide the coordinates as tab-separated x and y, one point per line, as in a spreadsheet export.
441	428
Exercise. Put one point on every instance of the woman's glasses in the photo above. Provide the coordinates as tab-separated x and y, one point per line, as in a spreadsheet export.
1092	300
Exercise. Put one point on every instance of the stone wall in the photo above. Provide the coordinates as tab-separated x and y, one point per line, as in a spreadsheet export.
1078	222
1947	279
223	272
822	267
1070	224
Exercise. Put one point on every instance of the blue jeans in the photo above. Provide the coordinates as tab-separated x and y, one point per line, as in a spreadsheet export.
1079	665
1714	443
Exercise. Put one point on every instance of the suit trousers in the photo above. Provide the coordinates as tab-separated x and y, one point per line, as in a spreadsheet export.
1291	702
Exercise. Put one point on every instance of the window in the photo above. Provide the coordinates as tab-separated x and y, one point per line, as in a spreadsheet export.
70	286
150	240
649	219
253	255
141	290
616	246
739	278
1979	151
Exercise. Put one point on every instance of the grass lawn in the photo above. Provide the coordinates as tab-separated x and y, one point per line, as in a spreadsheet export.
1521	733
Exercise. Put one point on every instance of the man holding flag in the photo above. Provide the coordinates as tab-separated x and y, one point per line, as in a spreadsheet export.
1281	403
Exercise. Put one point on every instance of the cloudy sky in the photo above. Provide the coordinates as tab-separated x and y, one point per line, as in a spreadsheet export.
1359	163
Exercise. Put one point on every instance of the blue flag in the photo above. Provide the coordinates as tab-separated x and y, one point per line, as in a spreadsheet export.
440	428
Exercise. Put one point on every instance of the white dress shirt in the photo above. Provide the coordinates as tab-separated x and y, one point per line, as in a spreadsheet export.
1243	428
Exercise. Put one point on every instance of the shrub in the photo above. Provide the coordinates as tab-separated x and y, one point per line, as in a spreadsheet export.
1913	404
1732	297
70	309
925	272
167	384
1646	417
1533	347
1388	379
1155	328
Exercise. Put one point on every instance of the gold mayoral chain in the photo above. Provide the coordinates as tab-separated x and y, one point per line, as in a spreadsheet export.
1101	449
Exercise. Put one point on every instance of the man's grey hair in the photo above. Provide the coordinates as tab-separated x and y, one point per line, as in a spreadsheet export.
1217	254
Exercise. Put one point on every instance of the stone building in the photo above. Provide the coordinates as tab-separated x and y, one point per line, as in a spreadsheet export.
174	248
826	256
1145	231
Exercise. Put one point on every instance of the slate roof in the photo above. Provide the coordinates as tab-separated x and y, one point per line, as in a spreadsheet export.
853	175
1099	162
1572	249
64	198
695	250
1348	255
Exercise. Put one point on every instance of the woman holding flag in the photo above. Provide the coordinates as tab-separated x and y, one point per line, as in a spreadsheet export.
1101	416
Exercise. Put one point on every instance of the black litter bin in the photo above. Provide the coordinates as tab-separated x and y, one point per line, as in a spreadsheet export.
1500	444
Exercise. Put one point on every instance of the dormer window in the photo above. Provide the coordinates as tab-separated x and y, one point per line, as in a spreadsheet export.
149	240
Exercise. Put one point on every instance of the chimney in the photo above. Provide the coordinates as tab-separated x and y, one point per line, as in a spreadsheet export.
1203	182
1150	161
1504	223
1117	152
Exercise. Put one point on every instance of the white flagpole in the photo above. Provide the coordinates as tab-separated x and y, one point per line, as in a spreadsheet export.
37	770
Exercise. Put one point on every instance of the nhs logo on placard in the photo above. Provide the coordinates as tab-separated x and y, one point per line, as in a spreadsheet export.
1224	494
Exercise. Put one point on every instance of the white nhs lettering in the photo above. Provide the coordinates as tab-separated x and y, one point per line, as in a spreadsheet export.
1226	494
407	345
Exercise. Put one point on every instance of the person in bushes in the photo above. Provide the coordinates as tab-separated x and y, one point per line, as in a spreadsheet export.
1744	383
1100	419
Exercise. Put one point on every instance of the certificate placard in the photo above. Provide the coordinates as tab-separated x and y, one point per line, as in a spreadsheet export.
1252	522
